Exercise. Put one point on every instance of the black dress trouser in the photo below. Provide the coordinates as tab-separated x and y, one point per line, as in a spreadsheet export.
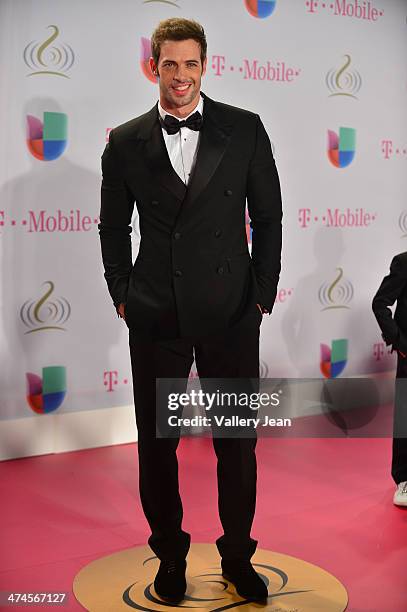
234	354
399	458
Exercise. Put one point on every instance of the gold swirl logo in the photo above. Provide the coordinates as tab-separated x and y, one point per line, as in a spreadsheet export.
45	313
342	81
170	2
336	294
264	369
47	57
403	223
125	581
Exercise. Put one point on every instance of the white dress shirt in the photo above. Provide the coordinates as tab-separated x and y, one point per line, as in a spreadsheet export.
182	147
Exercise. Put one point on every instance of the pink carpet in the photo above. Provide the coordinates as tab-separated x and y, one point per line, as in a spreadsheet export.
327	501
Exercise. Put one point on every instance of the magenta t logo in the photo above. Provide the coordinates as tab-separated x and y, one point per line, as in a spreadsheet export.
311	6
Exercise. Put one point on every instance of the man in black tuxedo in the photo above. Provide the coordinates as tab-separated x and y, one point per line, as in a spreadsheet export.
194	290
394	332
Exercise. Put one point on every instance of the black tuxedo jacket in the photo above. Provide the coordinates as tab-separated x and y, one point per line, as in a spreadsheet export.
193	275
392	288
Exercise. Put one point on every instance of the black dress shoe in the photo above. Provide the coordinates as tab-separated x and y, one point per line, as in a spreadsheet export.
248	583
170	583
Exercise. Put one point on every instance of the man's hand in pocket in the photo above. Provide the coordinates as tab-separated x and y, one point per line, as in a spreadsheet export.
120	311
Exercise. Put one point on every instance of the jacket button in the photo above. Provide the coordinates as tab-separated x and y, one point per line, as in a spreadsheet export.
217	233
177	235
228	192
154	202
178	273
220	270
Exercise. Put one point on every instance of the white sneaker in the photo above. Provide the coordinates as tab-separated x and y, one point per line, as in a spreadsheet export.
400	496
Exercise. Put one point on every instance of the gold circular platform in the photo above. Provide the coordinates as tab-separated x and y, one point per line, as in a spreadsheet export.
124	581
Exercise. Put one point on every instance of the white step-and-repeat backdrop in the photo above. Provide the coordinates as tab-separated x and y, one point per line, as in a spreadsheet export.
329	80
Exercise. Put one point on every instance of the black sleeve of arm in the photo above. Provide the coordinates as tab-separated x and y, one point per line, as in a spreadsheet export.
265	211
116	211
388	292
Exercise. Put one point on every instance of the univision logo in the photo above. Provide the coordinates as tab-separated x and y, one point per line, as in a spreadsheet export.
46	394
45	313
260	8
145	54
47	139
341	149
344	82
47	57
336	294
334	358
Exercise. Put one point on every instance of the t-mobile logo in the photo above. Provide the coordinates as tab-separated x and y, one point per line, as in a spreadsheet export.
312	6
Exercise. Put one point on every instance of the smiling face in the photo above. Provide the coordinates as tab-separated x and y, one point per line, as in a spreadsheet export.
179	70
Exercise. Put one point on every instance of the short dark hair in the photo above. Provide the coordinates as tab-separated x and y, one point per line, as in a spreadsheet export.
177	28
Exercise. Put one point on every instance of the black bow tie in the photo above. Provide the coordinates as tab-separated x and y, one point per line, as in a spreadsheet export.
172	125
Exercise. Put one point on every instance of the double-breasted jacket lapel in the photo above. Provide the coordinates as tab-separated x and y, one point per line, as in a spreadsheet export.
213	141
157	158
